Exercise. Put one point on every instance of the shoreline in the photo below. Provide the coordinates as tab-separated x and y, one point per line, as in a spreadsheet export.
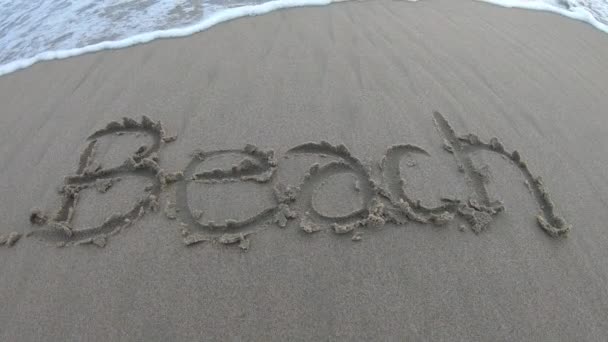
255	10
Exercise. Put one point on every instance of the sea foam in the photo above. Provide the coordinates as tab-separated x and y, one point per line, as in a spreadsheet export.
32	32
575	9
219	17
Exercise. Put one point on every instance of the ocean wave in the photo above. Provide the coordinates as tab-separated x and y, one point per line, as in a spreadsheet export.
225	14
41	30
594	12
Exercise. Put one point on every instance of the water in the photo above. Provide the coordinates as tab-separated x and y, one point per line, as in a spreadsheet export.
36	30
597	8
594	12
29	27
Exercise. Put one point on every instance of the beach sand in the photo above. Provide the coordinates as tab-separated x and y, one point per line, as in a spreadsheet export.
368	75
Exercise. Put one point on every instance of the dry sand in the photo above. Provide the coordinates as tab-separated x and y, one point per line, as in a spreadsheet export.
395	235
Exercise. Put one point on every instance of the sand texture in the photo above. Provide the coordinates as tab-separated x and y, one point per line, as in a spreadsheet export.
378	170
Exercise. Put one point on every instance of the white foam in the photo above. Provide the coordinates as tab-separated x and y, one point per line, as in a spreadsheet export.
222	16
63	28
574	12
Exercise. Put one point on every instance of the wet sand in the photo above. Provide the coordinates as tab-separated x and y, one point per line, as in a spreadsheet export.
366	170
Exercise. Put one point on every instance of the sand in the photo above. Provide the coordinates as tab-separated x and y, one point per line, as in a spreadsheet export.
379	170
